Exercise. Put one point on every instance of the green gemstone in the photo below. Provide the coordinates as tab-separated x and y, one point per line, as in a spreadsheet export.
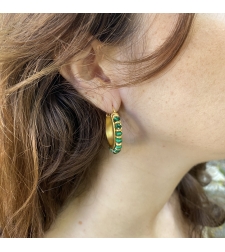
116	151
116	119
118	147
119	140
118	133
118	126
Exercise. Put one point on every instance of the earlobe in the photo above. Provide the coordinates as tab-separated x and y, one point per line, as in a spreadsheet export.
90	79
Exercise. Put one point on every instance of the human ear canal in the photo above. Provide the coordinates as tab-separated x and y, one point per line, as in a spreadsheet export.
90	79
90	68
86	66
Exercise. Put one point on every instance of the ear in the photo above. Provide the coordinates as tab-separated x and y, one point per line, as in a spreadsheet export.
92	80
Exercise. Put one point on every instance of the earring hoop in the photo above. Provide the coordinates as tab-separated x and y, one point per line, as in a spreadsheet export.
114	132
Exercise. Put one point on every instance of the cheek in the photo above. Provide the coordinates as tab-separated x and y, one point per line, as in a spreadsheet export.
185	109
186	105
180	116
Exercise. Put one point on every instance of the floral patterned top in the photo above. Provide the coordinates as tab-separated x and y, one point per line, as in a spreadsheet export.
216	193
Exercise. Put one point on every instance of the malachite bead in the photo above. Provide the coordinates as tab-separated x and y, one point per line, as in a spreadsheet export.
118	126
119	140
116	119
118	133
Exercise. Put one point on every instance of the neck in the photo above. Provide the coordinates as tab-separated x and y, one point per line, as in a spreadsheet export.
132	194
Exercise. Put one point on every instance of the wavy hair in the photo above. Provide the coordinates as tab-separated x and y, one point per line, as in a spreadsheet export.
49	133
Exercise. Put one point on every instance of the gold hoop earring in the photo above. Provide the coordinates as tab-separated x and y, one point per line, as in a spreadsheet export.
114	132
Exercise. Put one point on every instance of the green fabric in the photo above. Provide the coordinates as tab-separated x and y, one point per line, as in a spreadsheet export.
218	232
216	193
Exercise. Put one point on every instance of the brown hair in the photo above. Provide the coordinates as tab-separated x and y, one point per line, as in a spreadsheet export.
50	134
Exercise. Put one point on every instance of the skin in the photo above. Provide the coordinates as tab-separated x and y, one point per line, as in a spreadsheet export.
170	124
